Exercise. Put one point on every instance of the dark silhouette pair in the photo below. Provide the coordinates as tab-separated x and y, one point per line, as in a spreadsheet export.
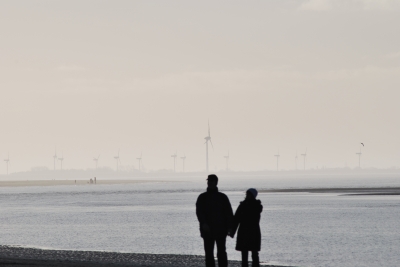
215	215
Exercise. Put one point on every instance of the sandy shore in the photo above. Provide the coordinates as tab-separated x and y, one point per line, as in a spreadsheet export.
71	182
344	191
19	257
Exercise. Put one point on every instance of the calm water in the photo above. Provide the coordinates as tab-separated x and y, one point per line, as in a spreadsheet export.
298	229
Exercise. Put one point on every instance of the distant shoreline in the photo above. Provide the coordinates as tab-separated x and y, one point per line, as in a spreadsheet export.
383	191
72	182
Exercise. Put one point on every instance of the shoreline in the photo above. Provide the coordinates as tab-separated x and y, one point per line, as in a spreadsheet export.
357	191
22	256
343	191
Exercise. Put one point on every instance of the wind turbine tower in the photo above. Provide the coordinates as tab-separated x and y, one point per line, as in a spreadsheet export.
61	159
208	139
7	161
183	162
117	159
55	158
174	156
359	158
304	157
277	161
96	160
140	161
227	161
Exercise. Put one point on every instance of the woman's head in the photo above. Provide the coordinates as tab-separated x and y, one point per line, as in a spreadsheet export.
251	193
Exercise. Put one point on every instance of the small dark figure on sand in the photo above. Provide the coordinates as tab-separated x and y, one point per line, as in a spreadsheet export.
215	215
247	218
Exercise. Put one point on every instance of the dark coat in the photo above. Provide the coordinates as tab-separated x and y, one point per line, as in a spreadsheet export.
214	209
247	218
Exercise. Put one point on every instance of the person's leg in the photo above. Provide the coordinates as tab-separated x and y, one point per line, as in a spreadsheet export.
209	250
221	252
245	258
255	258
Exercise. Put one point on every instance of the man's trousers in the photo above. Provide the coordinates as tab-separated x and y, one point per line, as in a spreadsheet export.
209	243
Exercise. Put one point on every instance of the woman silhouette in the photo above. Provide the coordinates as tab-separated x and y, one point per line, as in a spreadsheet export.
247	219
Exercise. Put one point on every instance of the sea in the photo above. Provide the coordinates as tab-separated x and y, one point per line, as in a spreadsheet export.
298	229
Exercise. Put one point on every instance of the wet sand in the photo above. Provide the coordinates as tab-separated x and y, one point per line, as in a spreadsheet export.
71	182
383	191
19	257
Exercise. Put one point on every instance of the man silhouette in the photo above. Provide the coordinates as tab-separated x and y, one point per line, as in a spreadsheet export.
215	215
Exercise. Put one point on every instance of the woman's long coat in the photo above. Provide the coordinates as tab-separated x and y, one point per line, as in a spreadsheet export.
247	218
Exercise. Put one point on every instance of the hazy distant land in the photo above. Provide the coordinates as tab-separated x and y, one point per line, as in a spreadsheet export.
42	173
70	182
345	191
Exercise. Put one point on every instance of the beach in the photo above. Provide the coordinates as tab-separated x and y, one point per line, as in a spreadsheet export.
153	223
18	257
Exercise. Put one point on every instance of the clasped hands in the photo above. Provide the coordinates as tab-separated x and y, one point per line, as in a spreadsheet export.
207	229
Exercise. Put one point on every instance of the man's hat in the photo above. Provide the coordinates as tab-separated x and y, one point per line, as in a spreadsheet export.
212	177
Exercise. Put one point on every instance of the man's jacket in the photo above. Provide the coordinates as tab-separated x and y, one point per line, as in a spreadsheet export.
214	209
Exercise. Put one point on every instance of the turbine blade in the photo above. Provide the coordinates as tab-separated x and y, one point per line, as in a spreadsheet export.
211	144
209	128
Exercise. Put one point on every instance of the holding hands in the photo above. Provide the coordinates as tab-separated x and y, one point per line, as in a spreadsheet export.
205	227
231	233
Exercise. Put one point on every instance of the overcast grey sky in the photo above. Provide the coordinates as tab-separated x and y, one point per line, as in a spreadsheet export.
96	76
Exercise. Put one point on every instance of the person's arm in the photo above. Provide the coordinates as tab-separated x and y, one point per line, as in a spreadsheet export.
236	220
201	216
200	211
229	214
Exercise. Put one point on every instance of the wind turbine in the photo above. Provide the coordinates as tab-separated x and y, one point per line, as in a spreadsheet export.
7	160
277	161
295	160
140	160
55	158
359	158
304	155
227	161
96	160
61	159
183	162
174	156
208	139
117	159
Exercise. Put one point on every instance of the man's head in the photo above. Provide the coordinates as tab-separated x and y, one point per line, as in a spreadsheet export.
212	181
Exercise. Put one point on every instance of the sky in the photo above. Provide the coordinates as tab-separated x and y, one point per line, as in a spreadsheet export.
93	77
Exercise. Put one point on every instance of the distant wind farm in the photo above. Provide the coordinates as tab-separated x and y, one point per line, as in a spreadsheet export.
175	157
